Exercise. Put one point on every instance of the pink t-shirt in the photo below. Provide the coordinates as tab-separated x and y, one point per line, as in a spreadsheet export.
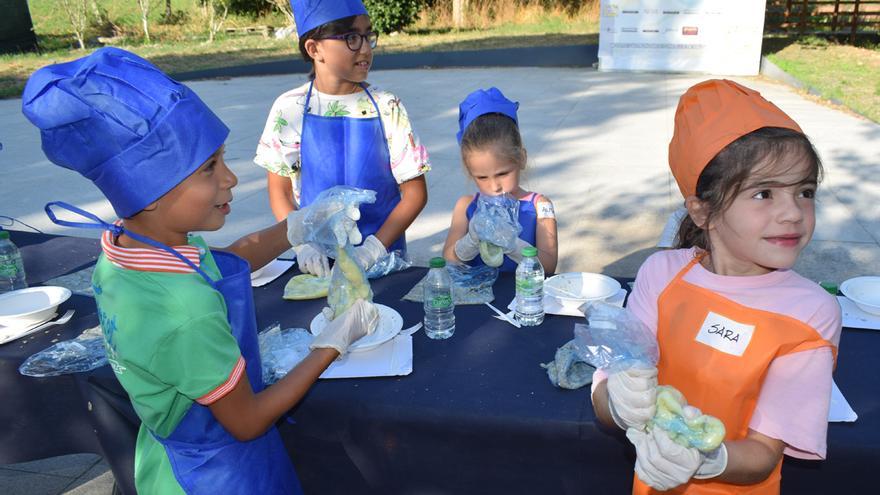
794	400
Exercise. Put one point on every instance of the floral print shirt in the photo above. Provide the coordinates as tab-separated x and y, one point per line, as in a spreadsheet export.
278	149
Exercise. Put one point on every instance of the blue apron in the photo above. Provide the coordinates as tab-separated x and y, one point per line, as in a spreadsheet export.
337	151
528	219
205	458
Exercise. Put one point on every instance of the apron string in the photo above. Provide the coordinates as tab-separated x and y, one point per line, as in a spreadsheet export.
116	230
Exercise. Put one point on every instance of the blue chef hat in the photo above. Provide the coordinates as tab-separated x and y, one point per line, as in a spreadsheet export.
123	124
481	102
310	14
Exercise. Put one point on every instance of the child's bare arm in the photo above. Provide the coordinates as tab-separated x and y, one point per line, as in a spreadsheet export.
546	238
457	229
259	248
414	197
247	415
600	405
280	195
751	459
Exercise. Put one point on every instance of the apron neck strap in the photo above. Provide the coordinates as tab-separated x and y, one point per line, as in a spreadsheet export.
116	230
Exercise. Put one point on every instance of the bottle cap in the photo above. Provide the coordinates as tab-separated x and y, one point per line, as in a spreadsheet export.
530	251
831	287
4	234
438	262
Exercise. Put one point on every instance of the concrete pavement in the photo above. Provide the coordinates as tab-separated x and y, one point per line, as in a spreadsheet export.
597	147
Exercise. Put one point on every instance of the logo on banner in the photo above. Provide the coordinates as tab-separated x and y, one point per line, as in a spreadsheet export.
690	31
629	30
724	334
611	10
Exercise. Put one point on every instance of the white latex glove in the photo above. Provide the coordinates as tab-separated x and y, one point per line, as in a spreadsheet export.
311	260
632	397
714	463
661	463
341	220
359	320
516	253
468	247
368	253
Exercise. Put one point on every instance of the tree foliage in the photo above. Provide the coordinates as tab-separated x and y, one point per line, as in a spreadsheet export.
388	16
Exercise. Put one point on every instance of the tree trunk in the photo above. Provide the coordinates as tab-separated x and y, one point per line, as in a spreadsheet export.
459	8
168	9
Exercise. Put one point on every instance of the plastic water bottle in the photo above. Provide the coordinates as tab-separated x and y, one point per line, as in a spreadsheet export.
530	289
11	267
439	305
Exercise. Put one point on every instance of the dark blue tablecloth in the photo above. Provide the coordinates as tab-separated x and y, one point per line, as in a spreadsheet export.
477	415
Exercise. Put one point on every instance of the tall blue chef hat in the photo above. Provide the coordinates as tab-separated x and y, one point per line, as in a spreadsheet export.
123	124
310	14
481	102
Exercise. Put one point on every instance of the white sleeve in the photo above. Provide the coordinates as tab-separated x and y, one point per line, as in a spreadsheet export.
409	158
279	145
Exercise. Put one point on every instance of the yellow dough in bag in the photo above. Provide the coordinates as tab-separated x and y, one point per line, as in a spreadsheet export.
306	286
685	424
348	283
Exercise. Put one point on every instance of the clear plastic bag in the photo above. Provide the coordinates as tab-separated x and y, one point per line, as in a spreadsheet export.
84	353
348	283
322	225
470	284
496	220
281	350
568	370
613	339
390	263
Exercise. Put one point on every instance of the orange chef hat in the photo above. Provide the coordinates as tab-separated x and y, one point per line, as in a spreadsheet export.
711	115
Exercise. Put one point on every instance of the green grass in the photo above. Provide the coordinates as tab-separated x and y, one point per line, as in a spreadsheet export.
182	47
846	74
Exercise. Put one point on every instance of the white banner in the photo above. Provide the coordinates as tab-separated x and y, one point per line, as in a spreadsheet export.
710	36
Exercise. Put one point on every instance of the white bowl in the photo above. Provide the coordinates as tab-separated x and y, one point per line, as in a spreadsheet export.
865	292
31	305
575	288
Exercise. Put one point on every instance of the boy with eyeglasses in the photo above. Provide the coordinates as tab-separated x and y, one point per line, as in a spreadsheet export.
338	130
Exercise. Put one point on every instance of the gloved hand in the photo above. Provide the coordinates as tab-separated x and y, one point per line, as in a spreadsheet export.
468	247
311	260
325	213
359	320
368	253
516	253
632	397
660	462
714	463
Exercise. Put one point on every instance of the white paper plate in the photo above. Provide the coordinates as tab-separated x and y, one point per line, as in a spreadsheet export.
575	288
390	323
31	305
865	292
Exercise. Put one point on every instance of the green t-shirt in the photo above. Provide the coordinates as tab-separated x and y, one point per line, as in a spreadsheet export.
169	343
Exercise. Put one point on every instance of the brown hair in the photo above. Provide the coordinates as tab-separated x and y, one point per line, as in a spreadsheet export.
728	172
497	131
339	26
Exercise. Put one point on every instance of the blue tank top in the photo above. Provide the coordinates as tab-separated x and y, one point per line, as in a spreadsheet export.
528	219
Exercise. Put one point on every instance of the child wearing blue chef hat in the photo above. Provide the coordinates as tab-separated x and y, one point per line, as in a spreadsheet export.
337	129
494	157
177	317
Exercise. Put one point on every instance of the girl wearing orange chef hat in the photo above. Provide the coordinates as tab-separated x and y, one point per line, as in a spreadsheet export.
741	335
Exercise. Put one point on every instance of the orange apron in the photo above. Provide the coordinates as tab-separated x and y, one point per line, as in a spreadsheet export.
717	352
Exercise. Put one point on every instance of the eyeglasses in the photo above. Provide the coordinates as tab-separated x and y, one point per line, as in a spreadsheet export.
355	41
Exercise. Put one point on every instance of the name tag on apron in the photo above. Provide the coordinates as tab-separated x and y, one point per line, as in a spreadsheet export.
724	334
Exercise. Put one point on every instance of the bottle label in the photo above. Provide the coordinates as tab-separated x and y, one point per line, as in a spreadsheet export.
8	266
441	302
529	286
